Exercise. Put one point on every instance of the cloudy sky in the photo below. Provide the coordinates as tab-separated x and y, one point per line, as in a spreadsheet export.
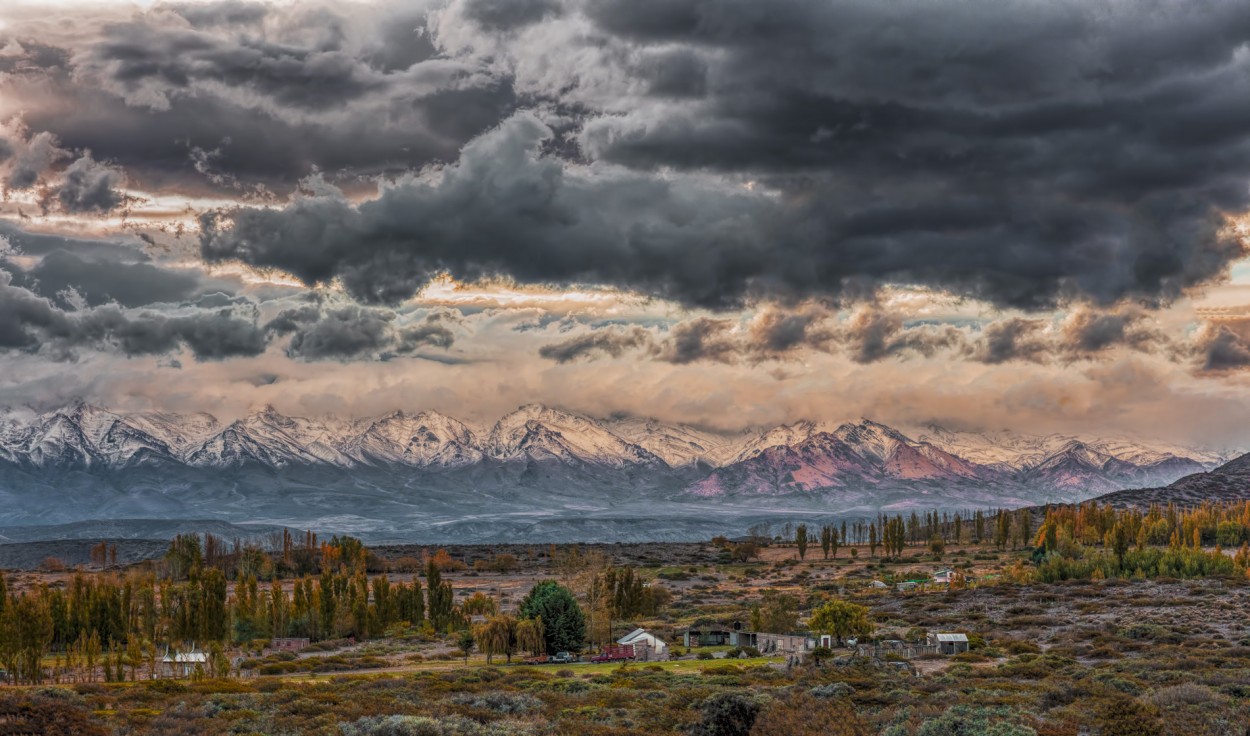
983	213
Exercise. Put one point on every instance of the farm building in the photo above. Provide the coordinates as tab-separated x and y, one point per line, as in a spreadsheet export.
948	643
647	646
289	644
183	664
706	636
784	643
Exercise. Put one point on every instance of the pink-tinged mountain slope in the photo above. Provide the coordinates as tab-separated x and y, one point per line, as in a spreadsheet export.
852	455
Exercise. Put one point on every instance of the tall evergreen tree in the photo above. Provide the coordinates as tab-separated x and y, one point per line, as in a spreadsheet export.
564	624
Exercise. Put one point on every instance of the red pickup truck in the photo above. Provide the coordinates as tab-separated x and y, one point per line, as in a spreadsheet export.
614	653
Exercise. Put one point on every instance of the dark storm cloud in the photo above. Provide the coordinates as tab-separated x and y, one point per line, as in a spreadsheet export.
1015	338
701	338
1225	347
340	334
290	320
777	331
869	333
504	208
34	324
354	332
102	280
85	185
429	334
276	92
1021	152
89	186
1088	331
613	341
499	15
30	160
773	334
673	73
39	244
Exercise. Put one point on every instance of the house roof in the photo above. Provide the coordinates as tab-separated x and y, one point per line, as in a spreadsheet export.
952	637
186	658
631	636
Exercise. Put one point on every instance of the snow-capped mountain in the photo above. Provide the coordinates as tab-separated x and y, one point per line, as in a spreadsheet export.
1072	463
535	462
679	444
536	432
809	456
423	440
273	439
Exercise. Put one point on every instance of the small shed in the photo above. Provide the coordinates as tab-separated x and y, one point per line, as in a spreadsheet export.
948	643
289	644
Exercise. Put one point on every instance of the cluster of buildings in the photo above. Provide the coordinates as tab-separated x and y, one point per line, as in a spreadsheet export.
945	576
649	647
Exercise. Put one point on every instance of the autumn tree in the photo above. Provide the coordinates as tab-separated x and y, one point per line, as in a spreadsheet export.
776	612
841	619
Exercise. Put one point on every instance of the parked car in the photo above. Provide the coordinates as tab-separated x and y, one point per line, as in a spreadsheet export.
564	658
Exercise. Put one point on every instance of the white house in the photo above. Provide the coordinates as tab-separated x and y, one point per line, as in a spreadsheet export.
183	664
647	646
944	576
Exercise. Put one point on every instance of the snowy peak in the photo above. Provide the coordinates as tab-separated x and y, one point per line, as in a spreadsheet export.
678	445
269	438
179	432
59	441
786	435
428	439
535	432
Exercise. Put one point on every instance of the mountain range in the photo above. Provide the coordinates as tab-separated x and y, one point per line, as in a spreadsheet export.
535	468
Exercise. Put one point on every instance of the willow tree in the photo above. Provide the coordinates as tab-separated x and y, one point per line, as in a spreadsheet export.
530	638
497	636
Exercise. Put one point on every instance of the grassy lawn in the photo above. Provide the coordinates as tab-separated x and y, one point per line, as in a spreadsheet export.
580	668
